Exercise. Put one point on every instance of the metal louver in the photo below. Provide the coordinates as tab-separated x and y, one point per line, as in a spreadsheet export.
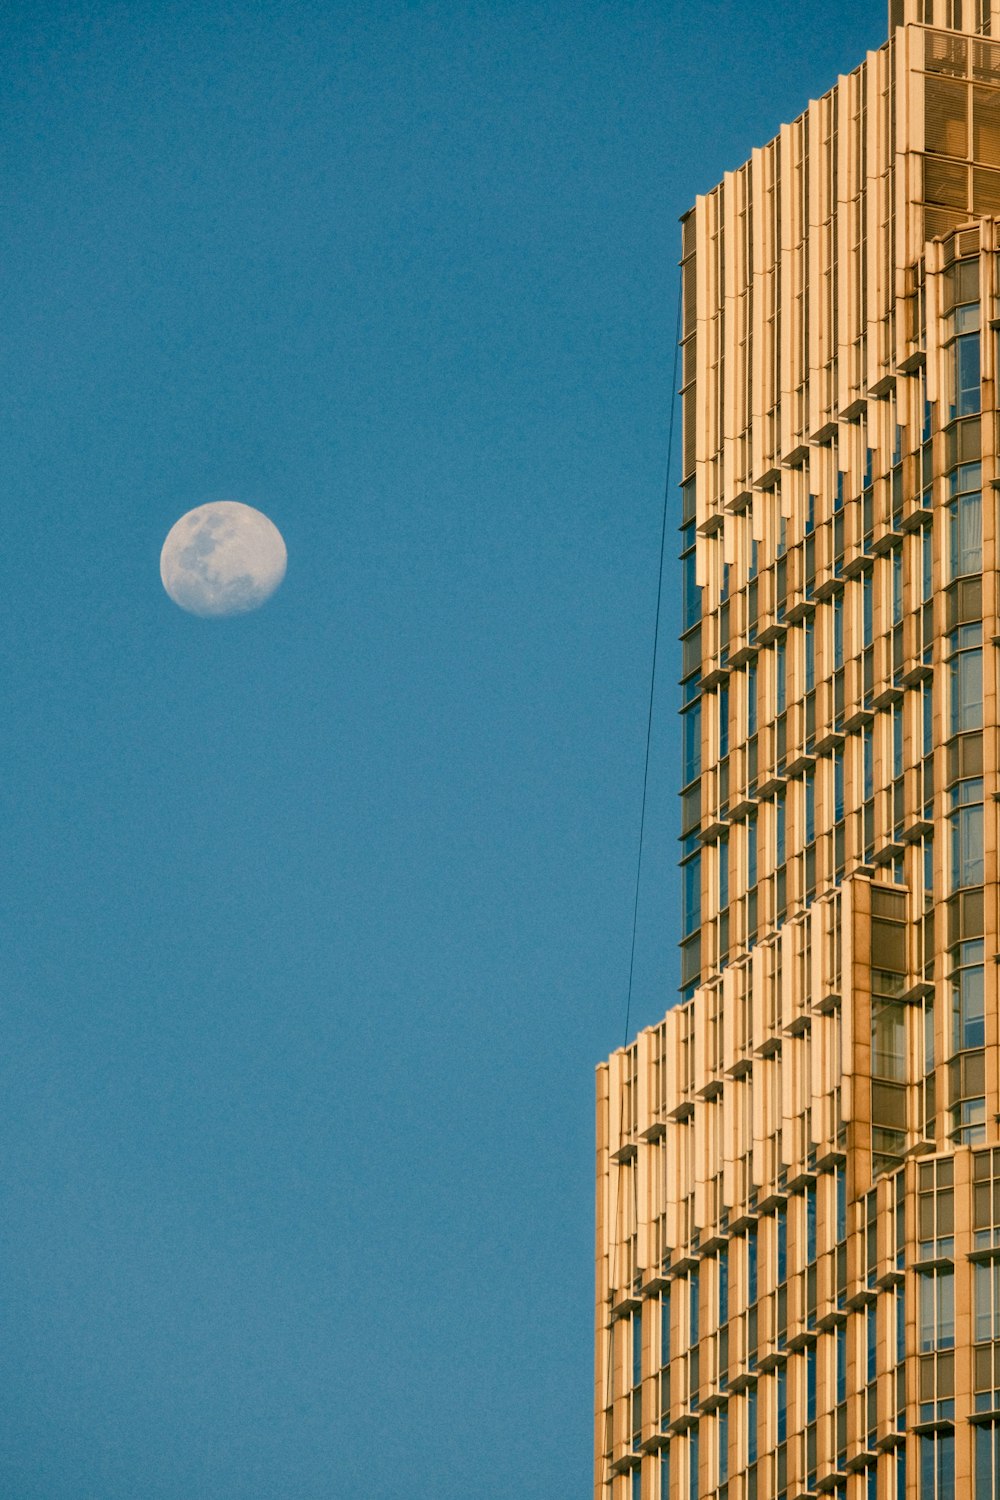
985	191
946	127
986	61
945	54
986	125
942	221
946	183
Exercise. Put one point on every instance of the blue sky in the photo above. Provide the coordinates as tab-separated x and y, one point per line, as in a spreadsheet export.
316	921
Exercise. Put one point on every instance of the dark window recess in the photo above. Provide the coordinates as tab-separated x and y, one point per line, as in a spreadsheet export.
965	916
888	941
964	602
963	442
691	808
965	757
781	587
724	630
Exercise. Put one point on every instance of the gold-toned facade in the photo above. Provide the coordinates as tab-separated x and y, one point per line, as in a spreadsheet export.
798	1205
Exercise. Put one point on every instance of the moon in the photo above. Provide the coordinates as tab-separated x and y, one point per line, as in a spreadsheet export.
223	558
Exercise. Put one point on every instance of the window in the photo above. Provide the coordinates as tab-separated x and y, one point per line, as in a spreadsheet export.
691	893
986	1199
970	1121
967	996
965	678
936	1209
810	1206
841	1370
889	1062
937	1466
896	557
987	1461
965	374
841	1196
691	736
898	1468
691	648
965	521
809	654
691	593
751	1411
987	1301
722	1433
723	705
636	1396
888	1040
966	828
897	739
937	1309
809	800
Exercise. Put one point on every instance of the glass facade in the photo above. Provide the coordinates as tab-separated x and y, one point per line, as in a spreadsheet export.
799	1165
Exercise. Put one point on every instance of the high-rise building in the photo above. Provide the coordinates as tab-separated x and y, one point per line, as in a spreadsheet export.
798	1206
